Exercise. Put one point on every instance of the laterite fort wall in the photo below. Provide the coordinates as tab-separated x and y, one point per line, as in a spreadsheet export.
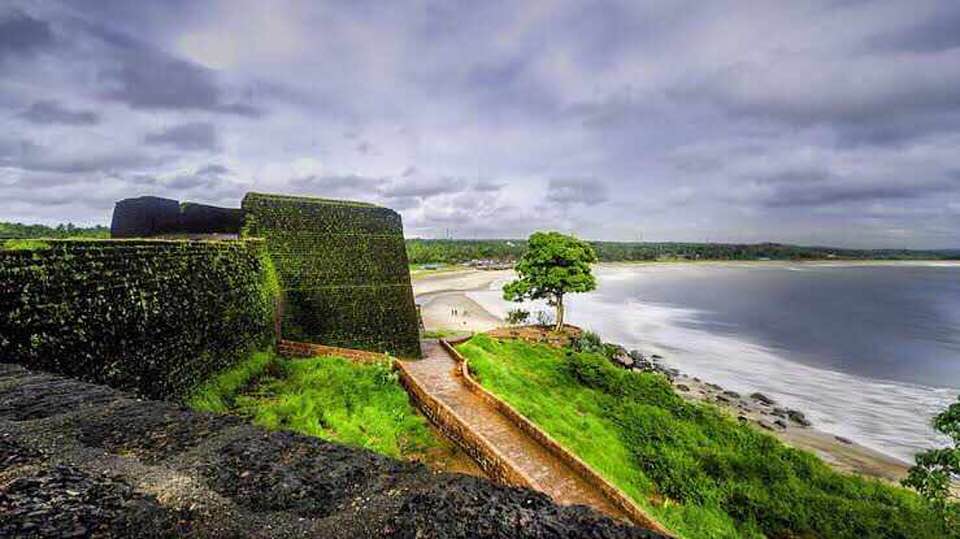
153	316
343	269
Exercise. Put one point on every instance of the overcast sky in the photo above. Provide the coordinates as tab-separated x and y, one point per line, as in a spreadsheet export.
833	122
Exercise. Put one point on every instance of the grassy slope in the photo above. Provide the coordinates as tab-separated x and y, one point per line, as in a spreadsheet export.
701	473
328	397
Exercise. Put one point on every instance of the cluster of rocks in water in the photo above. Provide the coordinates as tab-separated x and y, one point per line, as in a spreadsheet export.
81	460
756	407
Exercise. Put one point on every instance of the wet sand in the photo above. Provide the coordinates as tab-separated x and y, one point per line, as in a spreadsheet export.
446	306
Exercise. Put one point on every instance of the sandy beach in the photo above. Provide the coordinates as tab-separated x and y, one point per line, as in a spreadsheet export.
446	307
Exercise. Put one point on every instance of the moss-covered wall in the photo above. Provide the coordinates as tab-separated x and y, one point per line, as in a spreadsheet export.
343	269
153	316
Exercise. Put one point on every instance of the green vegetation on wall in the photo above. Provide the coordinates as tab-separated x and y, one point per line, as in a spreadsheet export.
156	317
696	469
343	270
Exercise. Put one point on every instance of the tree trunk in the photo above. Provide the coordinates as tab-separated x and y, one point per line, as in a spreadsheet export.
560	309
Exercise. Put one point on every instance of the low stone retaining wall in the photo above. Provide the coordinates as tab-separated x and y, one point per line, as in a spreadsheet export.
490	460
614	494
304	349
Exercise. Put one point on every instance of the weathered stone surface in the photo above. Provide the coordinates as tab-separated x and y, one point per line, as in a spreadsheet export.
116	466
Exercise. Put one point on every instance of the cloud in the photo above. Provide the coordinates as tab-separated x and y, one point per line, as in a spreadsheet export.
838	192
190	136
52	112
569	191
213	170
934	33
26	155
421	186
21	34
350	186
146	77
683	120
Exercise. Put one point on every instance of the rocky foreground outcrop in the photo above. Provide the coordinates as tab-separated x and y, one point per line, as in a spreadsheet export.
77	459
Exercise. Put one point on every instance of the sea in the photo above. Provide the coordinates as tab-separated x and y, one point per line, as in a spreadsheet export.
868	351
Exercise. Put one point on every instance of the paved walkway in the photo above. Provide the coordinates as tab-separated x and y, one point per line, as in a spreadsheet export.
436	373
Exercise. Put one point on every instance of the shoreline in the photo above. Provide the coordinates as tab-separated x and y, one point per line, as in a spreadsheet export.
446	306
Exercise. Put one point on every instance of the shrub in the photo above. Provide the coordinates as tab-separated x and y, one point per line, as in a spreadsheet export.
517	317
588	341
545	319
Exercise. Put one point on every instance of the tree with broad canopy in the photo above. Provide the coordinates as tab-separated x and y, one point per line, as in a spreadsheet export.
554	265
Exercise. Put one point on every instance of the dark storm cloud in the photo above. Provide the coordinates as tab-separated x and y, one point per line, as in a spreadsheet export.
839	193
150	81
146	77
190	136
52	112
935	33
21	34
567	191
29	156
213	170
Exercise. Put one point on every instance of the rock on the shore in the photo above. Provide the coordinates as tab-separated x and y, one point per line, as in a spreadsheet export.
761	398
798	417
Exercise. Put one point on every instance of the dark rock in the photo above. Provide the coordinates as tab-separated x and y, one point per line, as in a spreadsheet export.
244	481
765	425
656	356
63	501
780	423
841	439
732	394
624	360
760	397
682	387
798	417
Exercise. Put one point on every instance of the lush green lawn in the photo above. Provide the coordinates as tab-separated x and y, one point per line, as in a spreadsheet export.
698	471
328	397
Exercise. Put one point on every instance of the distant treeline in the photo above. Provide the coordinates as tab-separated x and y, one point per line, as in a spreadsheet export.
421	251
69	230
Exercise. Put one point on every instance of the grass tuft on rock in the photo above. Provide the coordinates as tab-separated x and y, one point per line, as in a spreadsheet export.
694	468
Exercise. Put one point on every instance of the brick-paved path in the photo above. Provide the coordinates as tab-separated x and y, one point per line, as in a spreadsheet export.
436	374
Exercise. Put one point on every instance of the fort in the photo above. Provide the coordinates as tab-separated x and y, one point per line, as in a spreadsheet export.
101	340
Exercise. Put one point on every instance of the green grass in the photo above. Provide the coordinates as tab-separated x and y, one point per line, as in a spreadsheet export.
694	468
445	333
219	394
328	397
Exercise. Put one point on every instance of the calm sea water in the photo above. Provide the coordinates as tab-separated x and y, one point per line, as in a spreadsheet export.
870	352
